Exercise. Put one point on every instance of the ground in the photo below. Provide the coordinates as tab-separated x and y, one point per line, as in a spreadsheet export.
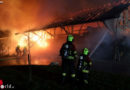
49	78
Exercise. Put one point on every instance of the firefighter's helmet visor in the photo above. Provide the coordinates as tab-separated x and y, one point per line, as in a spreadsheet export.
86	51
70	38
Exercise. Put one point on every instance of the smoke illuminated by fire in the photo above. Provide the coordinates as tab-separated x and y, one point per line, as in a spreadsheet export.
21	15
38	38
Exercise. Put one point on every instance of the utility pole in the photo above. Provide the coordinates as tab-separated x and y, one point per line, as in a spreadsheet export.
29	59
29	54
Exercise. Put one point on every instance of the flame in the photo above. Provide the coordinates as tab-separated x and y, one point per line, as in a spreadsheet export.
39	38
21	42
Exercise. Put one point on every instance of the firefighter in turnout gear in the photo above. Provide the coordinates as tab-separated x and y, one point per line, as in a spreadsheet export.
68	54
84	65
18	51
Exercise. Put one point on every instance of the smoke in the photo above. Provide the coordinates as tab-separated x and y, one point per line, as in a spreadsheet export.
22	15
126	39
26	14
106	49
17	14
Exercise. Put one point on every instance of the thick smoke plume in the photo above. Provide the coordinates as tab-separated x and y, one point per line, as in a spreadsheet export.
27	14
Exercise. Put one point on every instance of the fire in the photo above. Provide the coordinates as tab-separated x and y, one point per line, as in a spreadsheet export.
21	42
38	38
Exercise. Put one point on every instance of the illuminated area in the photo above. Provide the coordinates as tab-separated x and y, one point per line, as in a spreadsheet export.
39	38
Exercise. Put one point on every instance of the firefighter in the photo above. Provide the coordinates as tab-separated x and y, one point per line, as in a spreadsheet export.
18	51
68	54
25	51
84	65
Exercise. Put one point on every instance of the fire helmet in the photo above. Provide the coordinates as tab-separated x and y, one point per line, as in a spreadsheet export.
85	51
70	38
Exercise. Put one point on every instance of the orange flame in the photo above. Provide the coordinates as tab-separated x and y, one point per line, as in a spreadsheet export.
39	38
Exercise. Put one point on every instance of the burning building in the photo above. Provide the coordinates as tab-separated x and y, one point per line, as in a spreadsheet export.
42	25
